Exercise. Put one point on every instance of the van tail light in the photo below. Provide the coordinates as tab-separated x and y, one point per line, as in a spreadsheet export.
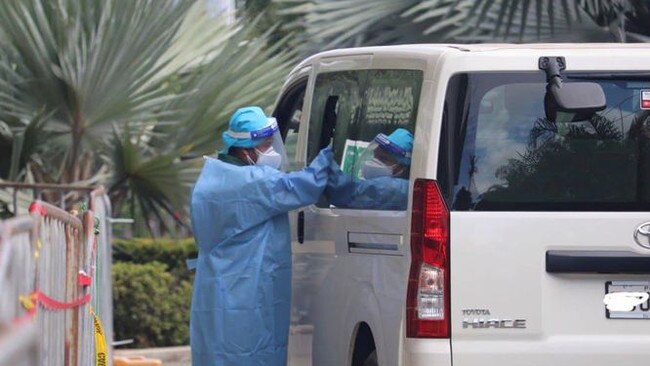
428	300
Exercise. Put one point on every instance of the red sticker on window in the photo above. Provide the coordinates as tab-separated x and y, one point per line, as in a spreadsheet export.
645	99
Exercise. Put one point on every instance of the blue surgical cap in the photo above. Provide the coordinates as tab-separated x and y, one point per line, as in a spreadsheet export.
248	127
399	144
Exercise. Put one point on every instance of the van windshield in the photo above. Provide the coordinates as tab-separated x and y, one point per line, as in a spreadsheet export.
507	156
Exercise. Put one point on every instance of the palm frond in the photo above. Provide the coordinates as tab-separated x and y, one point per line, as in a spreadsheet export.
126	92
158	182
346	23
635	19
28	140
88	64
553	23
342	23
245	72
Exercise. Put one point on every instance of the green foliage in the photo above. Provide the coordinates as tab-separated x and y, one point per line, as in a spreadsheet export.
150	305
152	290
327	24
172	253
270	18
128	94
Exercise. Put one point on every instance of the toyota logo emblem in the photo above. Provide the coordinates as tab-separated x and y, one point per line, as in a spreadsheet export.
642	235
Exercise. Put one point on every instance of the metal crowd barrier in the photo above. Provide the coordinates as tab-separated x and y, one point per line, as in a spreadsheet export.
18	337
55	279
102	290
20	346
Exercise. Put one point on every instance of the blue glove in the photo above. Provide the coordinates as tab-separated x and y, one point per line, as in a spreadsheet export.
340	186
322	162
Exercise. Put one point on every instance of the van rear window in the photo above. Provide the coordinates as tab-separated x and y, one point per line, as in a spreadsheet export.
500	152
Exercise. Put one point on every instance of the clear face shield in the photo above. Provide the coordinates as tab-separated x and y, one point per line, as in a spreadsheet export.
269	146
382	158
272	139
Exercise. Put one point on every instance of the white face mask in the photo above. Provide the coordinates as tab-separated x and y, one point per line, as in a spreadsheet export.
269	158
375	168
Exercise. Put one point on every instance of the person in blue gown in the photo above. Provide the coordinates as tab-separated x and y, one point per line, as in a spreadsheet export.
239	208
384	168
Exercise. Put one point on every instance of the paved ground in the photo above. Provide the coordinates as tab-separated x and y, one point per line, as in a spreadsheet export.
181	356
170	356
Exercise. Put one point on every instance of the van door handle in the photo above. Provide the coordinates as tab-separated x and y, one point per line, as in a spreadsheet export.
374	243
587	261
301	227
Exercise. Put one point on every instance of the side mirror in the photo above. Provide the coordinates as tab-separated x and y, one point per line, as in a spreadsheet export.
573	102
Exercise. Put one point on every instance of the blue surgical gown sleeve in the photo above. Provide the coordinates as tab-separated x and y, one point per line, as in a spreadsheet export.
283	192
270	192
382	193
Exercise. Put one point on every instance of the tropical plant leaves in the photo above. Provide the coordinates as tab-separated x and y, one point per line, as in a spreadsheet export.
158	182
125	93
330	24
247	72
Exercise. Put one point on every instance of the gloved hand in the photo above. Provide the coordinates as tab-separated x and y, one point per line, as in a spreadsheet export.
340	186
335	174
321	163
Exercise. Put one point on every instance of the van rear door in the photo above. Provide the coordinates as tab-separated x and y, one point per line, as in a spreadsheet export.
548	221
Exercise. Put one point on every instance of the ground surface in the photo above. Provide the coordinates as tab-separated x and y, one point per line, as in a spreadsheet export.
170	356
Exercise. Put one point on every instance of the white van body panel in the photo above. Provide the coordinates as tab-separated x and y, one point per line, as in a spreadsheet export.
426	352
564	313
497	258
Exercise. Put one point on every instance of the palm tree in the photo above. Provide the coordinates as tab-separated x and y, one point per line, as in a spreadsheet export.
129	94
330	24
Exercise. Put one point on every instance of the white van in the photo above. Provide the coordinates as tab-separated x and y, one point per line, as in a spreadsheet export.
528	202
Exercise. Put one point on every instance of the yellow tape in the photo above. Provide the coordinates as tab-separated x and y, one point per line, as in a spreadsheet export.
101	353
27	302
37	251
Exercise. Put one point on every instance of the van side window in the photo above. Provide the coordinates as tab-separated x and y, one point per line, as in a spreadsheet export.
288	113
336	105
335	110
371	130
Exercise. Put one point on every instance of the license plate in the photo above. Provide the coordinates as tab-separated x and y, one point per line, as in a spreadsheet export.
641	311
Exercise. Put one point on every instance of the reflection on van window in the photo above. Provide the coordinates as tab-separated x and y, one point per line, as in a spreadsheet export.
368	116
335	110
514	158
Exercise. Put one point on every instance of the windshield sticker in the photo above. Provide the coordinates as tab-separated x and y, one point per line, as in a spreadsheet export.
351	154
645	99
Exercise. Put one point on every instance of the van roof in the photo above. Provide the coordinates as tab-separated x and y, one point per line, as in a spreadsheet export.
482	48
487	47
541	46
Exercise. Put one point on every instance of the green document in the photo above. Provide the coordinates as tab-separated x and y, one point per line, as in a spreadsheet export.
351	155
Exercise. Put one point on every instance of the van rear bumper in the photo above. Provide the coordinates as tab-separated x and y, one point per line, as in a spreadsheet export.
427	352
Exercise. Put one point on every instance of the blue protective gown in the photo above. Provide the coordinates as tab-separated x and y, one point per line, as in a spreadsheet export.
381	193
242	289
